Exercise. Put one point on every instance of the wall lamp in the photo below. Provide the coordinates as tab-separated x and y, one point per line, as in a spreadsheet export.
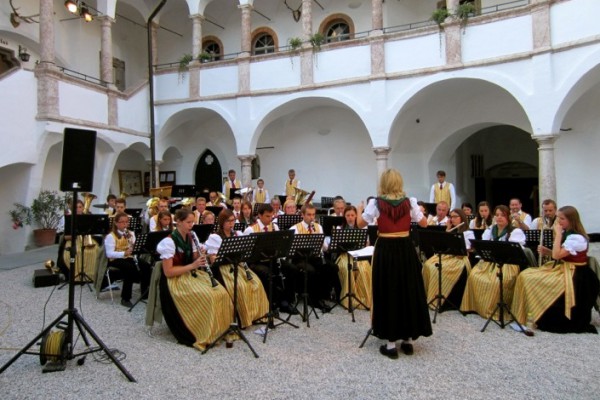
23	54
78	7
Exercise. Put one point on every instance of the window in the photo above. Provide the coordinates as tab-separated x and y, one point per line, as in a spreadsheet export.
213	47
263	44
337	32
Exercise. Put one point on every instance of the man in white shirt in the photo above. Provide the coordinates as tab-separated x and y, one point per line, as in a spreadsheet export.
291	183
519	218
441	217
236	203
260	194
231	183
546	221
442	191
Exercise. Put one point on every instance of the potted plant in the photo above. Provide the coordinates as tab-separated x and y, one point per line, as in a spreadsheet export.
295	43
45	212
316	40
204	57
184	63
439	16
463	12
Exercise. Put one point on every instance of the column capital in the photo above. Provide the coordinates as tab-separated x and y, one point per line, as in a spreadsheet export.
246	6
156	162
106	19
197	17
546	141
382	151
246	158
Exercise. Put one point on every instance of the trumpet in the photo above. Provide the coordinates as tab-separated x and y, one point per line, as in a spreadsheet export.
87	201
213	281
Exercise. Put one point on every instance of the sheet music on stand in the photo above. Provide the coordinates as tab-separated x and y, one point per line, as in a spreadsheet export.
203	231
345	240
135	225
331	221
500	252
238	248
285	222
139	246
306	245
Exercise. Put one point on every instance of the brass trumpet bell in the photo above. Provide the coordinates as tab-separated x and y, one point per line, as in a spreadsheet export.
221	198
87	201
300	196
51	266
88	241
123	195
188	202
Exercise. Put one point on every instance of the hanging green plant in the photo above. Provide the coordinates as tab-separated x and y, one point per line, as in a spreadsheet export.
439	16
316	40
295	43
463	12
204	57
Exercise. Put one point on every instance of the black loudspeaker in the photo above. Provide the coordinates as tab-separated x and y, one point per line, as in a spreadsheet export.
79	149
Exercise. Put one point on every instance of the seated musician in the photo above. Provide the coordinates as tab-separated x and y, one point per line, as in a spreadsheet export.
546	221
441	217
91	250
482	292
276	206
519	218
260	194
196	312
120	206
215	200
290	208
252	303
200	211
111	202
362	277
283	286
559	295
247	214
339	205
163	206
322	276
209	218
119	248
164	221
455	269
467	209
483	219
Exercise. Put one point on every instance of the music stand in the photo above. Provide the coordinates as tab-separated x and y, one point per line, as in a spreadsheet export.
441	243
86	224
285	222
183	191
306	246
257	207
233	194
135	224
215	210
533	240
500	253
233	251
239	226
329	221
346	240
134	212
271	245
203	231
431	208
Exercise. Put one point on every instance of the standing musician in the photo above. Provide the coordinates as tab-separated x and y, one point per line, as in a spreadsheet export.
260	194
119	248
546	221
200	211
283	291
195	311
291	183
399	309
482	291
559	295
247	217
442	191
252	300
231	183
163	205
362	277
518	217
322	276
455	269
484	218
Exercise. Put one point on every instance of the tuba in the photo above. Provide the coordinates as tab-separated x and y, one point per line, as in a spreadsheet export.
87	201
221	198
188	202
300	196
123	195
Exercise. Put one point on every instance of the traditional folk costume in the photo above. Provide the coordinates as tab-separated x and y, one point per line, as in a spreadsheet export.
196	312
260	196
482	292
443	192
523	217
361	280
455	270
252	302
115	245
290	184
91	255
399	309
559	295
229	184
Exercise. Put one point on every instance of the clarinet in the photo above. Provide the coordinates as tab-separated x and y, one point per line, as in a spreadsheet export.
247	269
135	259
213	281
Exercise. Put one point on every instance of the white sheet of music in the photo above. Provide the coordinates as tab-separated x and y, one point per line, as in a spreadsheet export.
364	252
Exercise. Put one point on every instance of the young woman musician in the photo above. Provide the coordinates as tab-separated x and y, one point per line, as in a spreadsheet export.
165	221
484	219
399	309
247	217
455	269
362	277
119	247
196	312
482	291
560	294
252	300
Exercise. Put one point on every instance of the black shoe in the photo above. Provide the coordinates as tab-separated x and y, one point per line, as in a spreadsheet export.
406	348
325	308
390	353
288	309
126	303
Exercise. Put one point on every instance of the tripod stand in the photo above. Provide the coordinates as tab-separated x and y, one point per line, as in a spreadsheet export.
234	250
270	245
73	319
306	246
346	240
86	224
441	243
501	253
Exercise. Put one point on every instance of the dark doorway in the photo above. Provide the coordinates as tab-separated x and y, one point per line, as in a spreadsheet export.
208	172
504	189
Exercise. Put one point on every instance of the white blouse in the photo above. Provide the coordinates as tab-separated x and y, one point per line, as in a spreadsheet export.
516	236
166	248
575	243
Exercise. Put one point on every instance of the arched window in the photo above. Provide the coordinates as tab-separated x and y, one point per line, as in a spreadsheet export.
264	41
337	28
214	47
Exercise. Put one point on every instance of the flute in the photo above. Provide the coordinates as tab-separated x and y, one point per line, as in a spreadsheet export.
457	226
213	281
540	256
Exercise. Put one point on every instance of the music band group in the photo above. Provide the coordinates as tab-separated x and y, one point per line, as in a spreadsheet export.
396	283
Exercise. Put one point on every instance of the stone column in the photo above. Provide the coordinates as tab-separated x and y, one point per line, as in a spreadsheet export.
106	53
246	168
377	15
306	57
197	35
381	156
156	172
246	29
540	21
47	32
307	19
452	5
547	170
453	43
154	34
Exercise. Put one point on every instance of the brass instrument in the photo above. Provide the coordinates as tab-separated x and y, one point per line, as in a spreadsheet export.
131	243
300	196
163	191
123	195
221	198
188	202
88	241
213	281
50	265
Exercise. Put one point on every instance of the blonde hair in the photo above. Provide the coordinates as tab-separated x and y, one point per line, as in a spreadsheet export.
391	184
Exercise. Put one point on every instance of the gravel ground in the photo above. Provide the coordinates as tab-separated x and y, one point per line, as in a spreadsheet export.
323	361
